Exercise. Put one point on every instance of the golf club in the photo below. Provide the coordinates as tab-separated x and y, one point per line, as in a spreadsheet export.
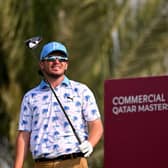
33	43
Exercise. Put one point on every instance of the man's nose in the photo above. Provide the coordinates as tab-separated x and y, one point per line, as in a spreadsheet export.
56	60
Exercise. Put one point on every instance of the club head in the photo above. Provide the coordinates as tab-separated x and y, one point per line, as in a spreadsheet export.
33	42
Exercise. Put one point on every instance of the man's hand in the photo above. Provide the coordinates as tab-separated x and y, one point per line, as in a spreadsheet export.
86	148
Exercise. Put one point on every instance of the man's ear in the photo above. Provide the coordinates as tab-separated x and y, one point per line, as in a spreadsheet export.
41	65
66	66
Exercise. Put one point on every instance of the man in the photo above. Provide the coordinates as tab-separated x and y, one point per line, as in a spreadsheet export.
43	126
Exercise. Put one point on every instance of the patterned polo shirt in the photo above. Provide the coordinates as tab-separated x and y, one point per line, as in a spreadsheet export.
41	115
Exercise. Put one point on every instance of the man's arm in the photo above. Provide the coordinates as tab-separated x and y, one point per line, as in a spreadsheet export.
95	131
22	145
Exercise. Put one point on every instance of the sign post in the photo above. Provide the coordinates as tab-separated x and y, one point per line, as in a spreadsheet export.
136	123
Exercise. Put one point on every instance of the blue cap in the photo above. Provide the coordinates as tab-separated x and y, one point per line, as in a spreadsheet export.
53	46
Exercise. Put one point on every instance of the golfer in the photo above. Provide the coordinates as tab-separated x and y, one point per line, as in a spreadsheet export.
44	128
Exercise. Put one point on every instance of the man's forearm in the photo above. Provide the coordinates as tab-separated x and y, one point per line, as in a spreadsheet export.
22	145
95	131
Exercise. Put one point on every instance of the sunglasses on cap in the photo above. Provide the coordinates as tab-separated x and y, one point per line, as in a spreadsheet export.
54	57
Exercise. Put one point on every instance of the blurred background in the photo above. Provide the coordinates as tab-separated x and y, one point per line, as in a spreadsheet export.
106	39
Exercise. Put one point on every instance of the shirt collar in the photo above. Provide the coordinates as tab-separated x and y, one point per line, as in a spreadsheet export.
44	85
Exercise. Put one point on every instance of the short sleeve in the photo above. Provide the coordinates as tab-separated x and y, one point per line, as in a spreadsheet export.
25	119
90	107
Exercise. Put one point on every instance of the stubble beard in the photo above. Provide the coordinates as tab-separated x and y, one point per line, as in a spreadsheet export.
53	75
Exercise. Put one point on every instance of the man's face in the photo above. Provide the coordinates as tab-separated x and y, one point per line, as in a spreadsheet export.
55	66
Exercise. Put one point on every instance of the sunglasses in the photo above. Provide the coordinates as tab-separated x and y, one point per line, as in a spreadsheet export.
54	57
